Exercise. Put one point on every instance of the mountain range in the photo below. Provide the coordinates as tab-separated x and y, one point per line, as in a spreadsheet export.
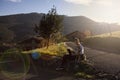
20	26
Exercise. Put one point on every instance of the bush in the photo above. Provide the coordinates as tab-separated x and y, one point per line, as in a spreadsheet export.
84	75
85	70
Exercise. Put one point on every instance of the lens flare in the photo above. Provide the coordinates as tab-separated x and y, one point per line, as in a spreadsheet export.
14	64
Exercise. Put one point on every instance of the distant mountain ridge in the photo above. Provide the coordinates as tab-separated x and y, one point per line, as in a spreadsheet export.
22	25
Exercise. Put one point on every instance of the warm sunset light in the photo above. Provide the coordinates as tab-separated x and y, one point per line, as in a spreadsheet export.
59	39
98	10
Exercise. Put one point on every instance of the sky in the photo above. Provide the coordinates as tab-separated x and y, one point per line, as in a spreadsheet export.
98	10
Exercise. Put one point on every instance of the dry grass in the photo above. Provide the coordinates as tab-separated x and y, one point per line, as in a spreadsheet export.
113	34
105	42
57	49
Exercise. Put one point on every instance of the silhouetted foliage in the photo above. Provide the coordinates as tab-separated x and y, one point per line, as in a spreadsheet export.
58	37
50	24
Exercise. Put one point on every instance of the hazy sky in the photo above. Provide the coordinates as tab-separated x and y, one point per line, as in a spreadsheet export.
98	10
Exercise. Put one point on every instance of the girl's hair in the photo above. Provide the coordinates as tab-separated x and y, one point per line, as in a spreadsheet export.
78	40
69	51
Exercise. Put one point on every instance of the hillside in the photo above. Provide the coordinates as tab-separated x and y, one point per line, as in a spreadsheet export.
105	42
75	34
21	25
82	23
112	34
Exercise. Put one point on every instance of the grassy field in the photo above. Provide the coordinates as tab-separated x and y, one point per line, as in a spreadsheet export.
105	42
112	34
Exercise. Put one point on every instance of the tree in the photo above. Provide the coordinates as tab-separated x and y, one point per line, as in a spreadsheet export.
58	37
50	24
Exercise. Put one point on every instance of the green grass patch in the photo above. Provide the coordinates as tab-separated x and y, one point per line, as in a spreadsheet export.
84	75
